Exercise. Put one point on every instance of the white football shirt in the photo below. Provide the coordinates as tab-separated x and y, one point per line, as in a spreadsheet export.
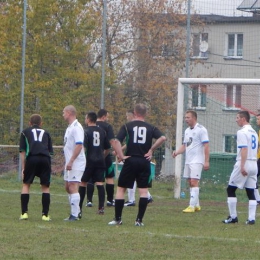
194	140
74	135
247	137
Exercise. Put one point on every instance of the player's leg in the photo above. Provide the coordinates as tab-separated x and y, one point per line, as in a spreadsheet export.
74	198
194	192
142	205
86	177
256	191
28	177
98	178
125	180
74	178
90	193
25	196
46	200
232	205
101	197
193	173
150	198
249	185
252	204
82	194
234	182
131	196
142	181
110	186
44	169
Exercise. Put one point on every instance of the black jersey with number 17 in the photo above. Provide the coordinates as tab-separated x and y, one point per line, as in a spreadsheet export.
139	136
35	141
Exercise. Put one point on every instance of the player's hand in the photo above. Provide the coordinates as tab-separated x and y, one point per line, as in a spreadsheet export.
243	171
149	155
68	167
123	159
206	166
174	154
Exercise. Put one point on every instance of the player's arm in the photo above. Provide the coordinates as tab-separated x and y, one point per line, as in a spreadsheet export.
75	154
117	143
124	147
50	147
243	160
23	159
118	149
179	151
106	152
206	152
22	149
157	143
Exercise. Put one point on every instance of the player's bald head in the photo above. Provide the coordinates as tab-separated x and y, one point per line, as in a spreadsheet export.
71	109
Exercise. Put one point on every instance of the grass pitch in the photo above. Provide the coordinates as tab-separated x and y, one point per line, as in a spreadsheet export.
168	233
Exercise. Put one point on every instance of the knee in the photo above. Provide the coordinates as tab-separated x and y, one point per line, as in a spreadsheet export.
231	191
109	180
250	194
194	183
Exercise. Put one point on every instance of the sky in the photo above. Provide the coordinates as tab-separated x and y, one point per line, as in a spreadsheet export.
220	7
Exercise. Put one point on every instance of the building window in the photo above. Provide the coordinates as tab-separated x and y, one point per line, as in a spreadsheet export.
230	144
198	95
200	45
235	45
233	96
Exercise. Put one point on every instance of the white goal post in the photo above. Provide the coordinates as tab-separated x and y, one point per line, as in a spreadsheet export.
180	114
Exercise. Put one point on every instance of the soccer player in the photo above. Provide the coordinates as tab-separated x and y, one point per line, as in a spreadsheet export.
139	136
97	147
196	148
244	174
35	151
75	160
131	192
102	122
257	196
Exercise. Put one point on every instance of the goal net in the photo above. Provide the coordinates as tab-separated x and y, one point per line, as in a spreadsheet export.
216	101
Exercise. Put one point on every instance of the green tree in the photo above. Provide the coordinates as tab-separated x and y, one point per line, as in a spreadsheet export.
56	65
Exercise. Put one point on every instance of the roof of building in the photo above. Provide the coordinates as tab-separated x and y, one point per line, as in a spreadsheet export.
252	6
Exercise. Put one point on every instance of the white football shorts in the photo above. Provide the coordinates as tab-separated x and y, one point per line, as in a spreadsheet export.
73	176
238	180
193	171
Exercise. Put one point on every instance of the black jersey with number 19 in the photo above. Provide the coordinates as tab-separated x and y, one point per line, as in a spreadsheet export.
35	141
139	136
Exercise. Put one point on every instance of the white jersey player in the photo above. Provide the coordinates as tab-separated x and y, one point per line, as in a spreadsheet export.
244	174
196	145
75	160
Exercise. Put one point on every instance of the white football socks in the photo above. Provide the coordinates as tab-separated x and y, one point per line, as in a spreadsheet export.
232	206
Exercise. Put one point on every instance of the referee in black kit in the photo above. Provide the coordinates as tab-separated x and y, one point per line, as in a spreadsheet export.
35	151
139	136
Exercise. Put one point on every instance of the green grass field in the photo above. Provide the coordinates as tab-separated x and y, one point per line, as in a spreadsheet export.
168	233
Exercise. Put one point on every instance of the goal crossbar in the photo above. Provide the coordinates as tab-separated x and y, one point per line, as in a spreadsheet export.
180	113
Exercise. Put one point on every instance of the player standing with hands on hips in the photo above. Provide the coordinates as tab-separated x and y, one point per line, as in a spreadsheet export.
244	174
139	136
196	146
